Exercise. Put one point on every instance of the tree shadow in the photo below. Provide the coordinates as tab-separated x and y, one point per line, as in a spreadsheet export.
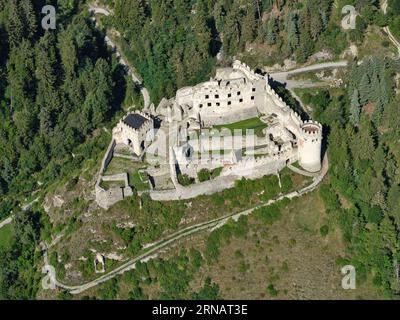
287	97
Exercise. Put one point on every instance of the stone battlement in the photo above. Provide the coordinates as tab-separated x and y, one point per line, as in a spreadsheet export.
251	75
312	129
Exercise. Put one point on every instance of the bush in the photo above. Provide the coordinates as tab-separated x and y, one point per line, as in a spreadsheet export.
272	291
268	214
324	230
204	175
287	183
185	180
243	267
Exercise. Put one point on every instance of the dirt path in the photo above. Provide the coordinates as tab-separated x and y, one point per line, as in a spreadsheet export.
6	222
94	9
283	76
387	30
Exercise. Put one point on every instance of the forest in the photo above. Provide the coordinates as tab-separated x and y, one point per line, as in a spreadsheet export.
57	87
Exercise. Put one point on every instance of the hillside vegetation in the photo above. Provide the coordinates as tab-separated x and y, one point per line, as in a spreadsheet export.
56	88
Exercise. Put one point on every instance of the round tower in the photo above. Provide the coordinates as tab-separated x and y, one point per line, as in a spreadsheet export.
309	146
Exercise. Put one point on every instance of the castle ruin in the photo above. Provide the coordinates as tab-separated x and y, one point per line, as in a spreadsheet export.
235	94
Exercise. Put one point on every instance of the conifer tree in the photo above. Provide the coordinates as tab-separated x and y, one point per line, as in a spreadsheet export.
292	30
29	18
355	108
15	26
364	89
271	34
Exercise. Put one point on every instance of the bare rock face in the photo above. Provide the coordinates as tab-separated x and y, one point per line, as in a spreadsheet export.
67	266
114	256
351	51
287	65
125	225
55	202
58	201
320	56
46	205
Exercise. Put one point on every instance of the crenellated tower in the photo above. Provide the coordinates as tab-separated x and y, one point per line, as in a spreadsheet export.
309	146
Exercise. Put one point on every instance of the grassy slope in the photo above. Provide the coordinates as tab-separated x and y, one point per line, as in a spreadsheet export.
290	254
6	234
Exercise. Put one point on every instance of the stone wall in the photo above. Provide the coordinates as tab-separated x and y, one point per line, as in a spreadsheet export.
253	168
203	188
228	142
106	198
217	117
107	157
250	168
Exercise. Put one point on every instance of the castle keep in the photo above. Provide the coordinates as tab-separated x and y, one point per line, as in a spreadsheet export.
132	131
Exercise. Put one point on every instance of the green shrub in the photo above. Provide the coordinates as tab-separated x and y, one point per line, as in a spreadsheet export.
324	230
272	291
185	180
204	175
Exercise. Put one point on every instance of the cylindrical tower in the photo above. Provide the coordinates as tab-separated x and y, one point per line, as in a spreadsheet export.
309	146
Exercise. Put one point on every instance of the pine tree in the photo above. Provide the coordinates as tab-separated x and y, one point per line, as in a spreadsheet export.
383	96
389	233
68	54
102	93
29	18
393	203
199	22
292	30
249	24
364	88
355	108
232	32
15	27
271	35
315	25
46	73
364	144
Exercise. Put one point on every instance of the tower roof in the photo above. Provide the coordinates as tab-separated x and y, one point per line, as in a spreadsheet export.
135	120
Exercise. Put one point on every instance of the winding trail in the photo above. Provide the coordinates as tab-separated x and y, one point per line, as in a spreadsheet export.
6	222
152	250
94	9
387	30
10	218
282	77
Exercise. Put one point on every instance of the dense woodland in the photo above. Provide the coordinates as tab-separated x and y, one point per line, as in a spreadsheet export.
58	88
174	43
